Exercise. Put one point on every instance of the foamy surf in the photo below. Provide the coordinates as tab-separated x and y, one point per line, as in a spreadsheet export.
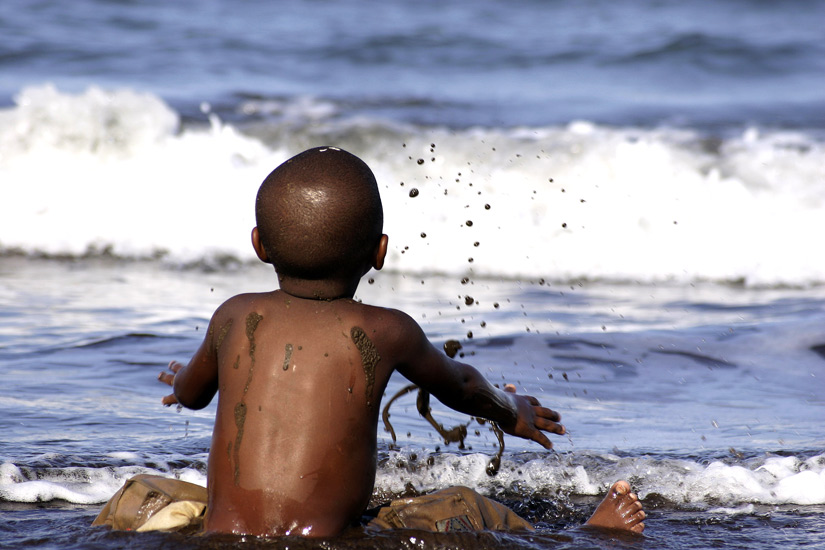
113	172
728	483
766	480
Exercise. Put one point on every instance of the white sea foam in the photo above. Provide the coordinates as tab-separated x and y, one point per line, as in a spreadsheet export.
79	485
779	480
768	481
113	171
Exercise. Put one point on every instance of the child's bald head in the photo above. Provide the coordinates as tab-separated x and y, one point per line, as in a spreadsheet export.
319	215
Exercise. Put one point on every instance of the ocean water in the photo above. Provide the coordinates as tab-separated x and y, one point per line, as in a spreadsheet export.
612	205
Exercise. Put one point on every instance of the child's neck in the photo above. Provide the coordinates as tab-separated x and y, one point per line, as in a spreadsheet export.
323	289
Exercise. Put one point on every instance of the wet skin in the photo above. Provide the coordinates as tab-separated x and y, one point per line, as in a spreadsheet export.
300	381
620	509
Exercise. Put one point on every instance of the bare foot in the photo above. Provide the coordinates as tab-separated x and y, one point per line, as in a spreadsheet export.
620	509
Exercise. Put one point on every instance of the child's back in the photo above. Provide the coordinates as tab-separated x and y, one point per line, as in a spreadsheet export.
300	383
301	370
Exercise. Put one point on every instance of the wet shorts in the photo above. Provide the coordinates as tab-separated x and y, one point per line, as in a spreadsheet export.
152	503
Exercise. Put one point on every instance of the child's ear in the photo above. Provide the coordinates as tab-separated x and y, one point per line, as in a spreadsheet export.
380	252
259	248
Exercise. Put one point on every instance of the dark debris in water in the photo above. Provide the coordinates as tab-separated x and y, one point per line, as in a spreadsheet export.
819	350
704	360
456	434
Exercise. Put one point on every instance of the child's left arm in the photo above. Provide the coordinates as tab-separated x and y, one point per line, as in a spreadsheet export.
462	388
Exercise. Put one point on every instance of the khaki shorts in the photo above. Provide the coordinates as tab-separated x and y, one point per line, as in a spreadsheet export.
152	503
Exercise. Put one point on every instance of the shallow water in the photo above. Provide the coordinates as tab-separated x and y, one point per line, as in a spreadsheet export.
706	398
800	527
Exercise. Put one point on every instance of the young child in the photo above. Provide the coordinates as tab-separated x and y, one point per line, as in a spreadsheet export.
301	370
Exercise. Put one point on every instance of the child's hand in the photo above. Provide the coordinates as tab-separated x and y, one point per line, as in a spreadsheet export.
167	378
533	419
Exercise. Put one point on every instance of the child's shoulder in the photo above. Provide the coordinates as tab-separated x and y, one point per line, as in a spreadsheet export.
245	300
383	315
389	322
388	325
240	305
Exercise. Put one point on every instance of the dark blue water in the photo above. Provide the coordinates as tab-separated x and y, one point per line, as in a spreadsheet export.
529	62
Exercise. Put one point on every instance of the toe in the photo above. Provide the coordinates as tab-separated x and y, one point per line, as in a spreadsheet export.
621	487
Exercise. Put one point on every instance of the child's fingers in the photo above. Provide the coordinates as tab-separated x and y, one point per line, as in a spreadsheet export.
510	388
167	378
538	419
549	414
548	420
542	440
550	426
169	400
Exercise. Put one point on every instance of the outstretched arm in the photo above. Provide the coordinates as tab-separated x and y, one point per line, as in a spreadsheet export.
461	387
195	384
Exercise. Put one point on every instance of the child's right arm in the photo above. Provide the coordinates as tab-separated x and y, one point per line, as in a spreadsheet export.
463	388
196	383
